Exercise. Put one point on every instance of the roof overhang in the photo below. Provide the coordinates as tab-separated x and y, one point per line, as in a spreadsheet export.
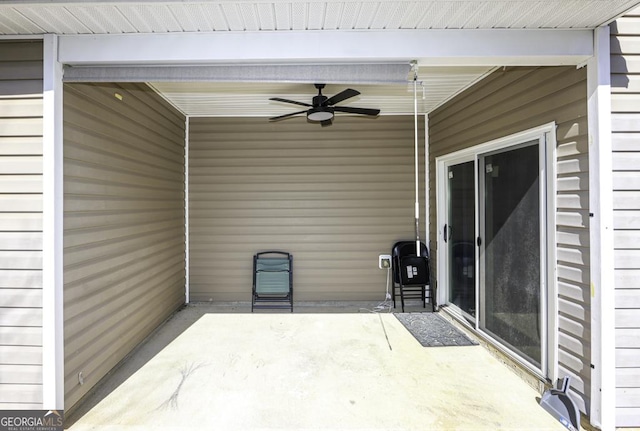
177	16
224	48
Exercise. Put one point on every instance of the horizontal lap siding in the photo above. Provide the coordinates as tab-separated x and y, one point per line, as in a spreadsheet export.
124	243
625	106
335	197
20	225
512	100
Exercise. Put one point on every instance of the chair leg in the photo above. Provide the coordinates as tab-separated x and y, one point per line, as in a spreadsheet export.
402	298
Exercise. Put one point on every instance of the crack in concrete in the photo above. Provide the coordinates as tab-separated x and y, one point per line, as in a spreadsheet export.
185	371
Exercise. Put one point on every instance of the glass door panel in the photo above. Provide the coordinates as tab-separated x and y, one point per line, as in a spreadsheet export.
460	236
510	265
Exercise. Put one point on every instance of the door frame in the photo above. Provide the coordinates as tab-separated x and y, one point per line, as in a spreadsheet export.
546	133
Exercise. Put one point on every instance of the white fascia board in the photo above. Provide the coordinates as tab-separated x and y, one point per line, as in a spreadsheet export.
432	47
21	37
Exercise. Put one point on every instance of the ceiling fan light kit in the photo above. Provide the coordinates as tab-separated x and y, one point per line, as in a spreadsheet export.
322	110
320	114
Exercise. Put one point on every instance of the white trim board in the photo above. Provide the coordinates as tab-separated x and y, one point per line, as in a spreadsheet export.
430	47
603	348
53	197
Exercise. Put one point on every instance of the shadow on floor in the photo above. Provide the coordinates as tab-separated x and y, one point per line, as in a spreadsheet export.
175	325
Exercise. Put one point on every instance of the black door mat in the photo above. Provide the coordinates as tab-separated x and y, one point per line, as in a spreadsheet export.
432	330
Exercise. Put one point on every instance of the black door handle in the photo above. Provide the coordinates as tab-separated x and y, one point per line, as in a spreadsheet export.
447	233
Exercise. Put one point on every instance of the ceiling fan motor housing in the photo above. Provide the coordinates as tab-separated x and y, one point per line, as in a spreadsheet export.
319	100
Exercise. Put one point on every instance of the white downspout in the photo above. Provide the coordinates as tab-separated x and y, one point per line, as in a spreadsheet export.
603	348
416	156
52	230
427	190
187	288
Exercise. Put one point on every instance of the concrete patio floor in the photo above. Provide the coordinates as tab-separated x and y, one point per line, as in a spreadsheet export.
216	368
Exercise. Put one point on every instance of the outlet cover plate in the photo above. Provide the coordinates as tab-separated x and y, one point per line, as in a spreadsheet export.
384	261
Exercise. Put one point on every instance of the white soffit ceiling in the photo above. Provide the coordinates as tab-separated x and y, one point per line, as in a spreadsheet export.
116	17
435	86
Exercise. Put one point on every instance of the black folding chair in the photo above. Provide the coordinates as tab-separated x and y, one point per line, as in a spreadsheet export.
411	275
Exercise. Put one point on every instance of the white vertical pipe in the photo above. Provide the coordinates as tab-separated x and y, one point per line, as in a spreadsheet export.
52	230
427	190
187	288
603	348
416	158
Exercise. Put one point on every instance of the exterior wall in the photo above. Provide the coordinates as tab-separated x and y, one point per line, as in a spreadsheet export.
625	101
124	236
335	197
513	100
20	225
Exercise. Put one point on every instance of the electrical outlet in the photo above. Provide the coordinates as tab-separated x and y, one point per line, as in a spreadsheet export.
384	261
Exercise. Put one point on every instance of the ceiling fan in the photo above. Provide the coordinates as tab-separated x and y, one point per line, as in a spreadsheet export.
322	108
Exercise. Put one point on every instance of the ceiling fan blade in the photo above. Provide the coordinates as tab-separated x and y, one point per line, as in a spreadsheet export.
280	117
343	95
278	99
352	110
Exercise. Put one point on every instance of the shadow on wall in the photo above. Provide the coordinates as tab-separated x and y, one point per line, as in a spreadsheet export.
23	71
619	67
27	89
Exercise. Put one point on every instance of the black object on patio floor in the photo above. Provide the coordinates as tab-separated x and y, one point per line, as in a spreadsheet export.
432	330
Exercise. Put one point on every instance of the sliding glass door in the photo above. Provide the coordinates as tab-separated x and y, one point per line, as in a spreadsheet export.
492	245
510	248
459	236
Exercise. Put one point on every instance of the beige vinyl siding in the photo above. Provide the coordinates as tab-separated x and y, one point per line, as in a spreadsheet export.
335	197
513	100
124	239
20	225
625	106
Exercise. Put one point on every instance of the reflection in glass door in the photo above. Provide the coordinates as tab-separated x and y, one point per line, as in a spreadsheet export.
459	236
510	268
